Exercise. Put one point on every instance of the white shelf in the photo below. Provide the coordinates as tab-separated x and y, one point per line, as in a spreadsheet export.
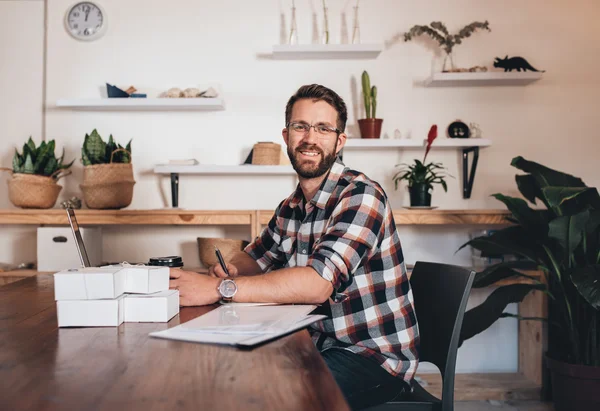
375	143
142	103
490	78
326	51
213	169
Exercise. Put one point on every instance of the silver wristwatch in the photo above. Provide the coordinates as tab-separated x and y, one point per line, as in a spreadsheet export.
227	288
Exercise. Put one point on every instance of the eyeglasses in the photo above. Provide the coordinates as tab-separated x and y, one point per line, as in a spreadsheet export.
321	129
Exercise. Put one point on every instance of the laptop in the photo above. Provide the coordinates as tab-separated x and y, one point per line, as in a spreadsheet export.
83	256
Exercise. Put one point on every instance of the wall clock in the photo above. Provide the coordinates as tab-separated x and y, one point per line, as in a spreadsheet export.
86	21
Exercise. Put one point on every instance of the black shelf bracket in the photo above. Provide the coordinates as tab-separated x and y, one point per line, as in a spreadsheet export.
175	190
468	177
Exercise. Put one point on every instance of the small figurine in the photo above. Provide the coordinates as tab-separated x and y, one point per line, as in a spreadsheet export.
475	130
74	203
458	129
514	63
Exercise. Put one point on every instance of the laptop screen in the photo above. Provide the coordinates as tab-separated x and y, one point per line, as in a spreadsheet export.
85	261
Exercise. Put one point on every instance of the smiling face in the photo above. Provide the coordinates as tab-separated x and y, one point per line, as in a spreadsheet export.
312	153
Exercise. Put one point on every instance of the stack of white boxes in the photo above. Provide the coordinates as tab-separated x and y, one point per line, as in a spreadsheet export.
109	296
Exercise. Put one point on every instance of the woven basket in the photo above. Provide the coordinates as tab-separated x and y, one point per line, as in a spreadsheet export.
32	191
228	247
108	186
265	153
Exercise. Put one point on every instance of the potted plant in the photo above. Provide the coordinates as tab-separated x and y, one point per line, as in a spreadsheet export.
370	127
36	171
438	32
107	174
563	241
421	176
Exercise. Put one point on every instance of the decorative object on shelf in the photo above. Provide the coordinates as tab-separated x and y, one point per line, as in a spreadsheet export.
73	202
514	63
325	35
190	92
438	32
458	129
370	127
421	176
475	130
293	39
474	69
107	174
266	153
228	248
116	92
86	21
562	241
356	26
35	172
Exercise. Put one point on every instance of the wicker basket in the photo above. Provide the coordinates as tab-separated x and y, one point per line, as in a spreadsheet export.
228	247
265	153
33	191
108	186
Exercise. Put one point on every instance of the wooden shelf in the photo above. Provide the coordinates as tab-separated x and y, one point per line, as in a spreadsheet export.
326	51
485	386
142	103
449	143
213	169
490	78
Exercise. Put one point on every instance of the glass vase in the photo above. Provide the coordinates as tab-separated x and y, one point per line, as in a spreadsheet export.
448	65
293	28
356	28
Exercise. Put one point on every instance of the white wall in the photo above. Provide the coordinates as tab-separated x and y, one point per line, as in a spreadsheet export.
157	44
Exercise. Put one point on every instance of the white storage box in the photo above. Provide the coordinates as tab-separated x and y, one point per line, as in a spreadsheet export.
158	307
89	283
56	248
90	313
143	279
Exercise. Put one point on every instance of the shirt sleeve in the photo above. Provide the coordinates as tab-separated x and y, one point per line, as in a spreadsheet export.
265	248
354	231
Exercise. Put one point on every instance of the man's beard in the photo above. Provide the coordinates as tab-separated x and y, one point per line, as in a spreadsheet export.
323	166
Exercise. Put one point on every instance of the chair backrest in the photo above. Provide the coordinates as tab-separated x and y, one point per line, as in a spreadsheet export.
440	293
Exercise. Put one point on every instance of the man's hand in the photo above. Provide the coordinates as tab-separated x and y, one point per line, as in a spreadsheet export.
194	289
217	271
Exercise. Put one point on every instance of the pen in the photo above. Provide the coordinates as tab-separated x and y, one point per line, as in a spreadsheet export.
221	261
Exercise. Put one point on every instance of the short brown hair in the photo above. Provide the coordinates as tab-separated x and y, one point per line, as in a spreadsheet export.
318	92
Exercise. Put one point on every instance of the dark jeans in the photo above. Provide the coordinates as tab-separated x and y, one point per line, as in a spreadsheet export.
362	381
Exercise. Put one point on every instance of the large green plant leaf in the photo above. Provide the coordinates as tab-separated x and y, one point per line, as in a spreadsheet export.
501	271
582	197
95	148
17	162
529	187
587	281
28	166
545	176
530	219
51	167
480	318
511	240
569	231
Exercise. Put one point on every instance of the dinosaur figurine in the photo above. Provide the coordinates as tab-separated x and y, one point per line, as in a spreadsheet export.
514	63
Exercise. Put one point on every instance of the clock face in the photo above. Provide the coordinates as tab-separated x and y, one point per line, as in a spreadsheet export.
86	21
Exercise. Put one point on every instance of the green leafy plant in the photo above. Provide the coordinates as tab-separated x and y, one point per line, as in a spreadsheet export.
40	160
96	151
369	96
563	241
438	32
421	173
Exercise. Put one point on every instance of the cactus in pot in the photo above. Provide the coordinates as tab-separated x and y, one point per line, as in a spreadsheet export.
370	127
108	173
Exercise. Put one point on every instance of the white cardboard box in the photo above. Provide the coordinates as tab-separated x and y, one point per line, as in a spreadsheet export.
56	249
157	307
146	279
89	283
90	313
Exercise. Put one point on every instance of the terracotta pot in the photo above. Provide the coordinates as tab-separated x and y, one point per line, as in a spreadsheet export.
370	127
574	387
419	195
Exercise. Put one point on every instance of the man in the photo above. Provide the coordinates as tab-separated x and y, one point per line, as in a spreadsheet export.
332	242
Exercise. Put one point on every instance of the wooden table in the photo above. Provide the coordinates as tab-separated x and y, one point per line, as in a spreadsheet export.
113	368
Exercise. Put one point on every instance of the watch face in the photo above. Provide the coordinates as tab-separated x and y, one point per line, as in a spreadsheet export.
85	21
228	288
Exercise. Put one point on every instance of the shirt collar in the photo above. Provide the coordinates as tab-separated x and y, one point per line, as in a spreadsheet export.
322	195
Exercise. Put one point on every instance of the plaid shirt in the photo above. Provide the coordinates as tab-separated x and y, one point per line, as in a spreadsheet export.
348	235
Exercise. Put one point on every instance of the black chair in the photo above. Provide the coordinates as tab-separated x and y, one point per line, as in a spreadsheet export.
440	294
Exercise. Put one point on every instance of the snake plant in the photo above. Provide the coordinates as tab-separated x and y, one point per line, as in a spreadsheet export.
96	151
39	160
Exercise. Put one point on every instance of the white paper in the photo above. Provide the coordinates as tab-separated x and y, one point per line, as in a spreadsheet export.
242	325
